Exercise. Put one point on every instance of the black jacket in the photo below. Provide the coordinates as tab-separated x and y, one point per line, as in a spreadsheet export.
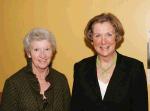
126	91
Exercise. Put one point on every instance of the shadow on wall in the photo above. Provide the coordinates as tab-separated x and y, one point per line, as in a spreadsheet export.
0	96
148	55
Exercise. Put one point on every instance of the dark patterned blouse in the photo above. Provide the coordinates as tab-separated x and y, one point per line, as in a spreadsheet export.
22	92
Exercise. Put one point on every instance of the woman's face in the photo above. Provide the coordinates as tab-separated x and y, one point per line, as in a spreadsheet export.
41	54
104	39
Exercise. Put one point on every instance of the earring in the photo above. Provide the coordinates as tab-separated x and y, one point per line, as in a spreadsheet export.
29	56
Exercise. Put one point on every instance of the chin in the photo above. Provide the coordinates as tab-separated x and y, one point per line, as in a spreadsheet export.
43	66
105	54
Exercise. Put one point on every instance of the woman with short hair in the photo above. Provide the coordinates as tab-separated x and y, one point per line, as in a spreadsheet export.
37	86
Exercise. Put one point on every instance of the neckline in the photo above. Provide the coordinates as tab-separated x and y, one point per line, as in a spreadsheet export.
105	70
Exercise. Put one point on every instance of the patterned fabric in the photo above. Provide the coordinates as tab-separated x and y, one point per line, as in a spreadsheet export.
22	92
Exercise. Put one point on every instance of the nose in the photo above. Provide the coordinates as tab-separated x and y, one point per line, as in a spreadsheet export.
42	54
103	40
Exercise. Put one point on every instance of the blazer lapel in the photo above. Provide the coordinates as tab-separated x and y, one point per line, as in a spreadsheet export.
92	81
116	78
91	78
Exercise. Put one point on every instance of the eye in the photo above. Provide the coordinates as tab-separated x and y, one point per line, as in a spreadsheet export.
96	35
48	49
36	49
109	34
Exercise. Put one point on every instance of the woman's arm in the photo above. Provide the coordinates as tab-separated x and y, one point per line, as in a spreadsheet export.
9	97
67	96
76	92
139	89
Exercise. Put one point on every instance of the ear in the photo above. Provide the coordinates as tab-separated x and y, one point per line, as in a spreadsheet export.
29	54
91	42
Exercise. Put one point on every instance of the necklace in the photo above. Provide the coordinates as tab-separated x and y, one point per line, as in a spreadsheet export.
105	70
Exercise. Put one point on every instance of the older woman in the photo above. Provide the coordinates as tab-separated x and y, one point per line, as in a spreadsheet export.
108	81
37	86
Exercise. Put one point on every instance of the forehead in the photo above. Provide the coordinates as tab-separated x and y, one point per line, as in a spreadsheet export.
104	26
40	43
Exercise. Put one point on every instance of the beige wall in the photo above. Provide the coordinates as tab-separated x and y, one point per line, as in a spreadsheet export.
67	20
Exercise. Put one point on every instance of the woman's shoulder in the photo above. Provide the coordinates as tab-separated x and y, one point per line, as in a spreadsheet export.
17	78
87	60
17	75
128	59
57	75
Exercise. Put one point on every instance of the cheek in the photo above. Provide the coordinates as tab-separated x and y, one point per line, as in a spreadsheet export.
112	41
96	42
49	56
34	58
33	55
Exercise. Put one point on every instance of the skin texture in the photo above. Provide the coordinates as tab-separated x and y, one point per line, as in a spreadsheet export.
104	39
41	54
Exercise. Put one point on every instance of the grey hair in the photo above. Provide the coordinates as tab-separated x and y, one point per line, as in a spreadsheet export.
38	34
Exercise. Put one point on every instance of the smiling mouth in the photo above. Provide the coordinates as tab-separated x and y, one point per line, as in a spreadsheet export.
104	47
42	61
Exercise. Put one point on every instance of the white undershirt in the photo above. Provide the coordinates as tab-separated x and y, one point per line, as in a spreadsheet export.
103	87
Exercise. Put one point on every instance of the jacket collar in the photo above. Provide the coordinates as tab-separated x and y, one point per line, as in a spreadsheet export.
91	77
